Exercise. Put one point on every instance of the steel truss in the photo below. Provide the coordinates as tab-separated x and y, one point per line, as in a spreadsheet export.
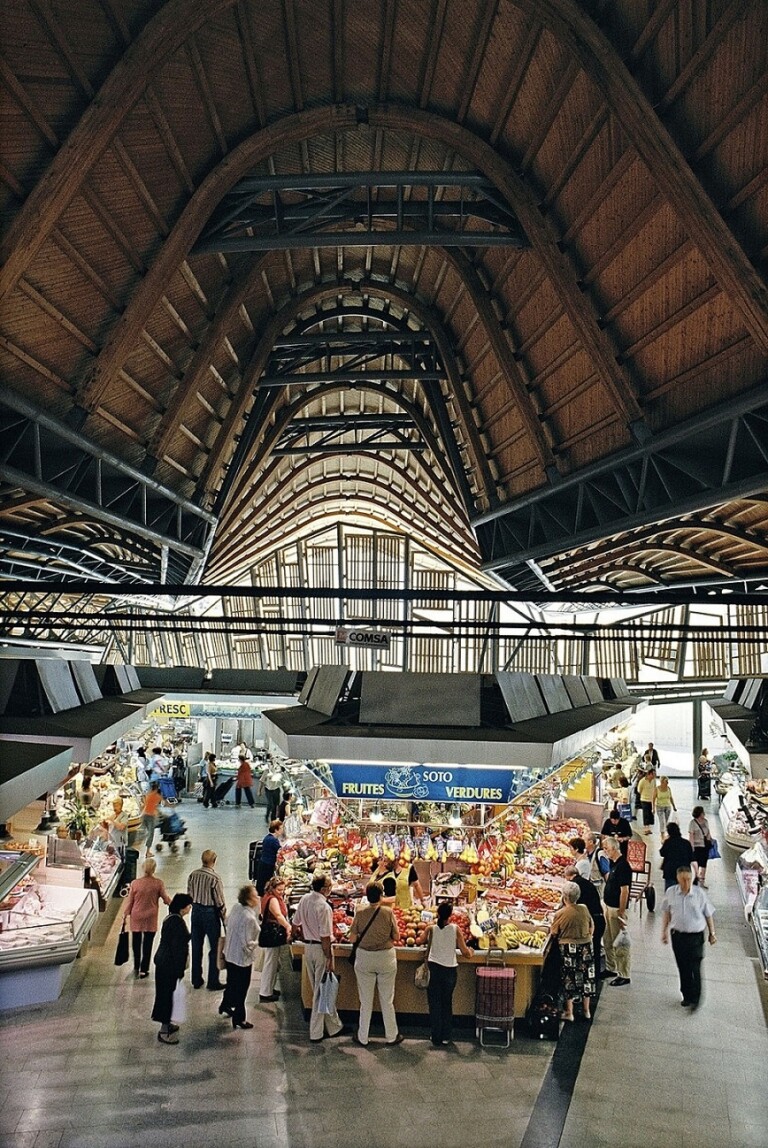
45	458
717	456
369	434
360	209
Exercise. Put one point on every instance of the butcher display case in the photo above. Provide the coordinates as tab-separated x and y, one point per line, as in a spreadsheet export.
42	929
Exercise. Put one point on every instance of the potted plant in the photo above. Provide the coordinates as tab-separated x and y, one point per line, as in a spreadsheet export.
78	820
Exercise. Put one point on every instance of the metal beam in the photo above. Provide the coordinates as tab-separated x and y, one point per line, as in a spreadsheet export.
52	461
734	593
345	376
366	447
265	213
719	455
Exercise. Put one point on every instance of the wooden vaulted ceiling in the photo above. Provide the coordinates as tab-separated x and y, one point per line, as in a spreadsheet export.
627	338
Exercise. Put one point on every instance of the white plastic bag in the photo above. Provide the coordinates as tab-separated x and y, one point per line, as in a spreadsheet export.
622	941
179	1005
326	993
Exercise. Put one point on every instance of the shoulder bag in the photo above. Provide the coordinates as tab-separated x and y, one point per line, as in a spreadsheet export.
272	934
356	944
421	976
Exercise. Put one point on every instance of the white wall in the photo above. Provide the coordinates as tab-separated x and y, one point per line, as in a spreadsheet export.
670	728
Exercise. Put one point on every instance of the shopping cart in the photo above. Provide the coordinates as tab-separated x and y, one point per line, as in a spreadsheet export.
494	999
171	829
168	790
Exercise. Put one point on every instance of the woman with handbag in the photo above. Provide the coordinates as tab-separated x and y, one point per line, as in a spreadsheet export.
144	897
572	927
374	934
170	964
275	933
701	841
442	940
240	946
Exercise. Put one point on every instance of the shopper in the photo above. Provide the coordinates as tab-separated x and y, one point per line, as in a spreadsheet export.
652	755
617	826
375	928
701	840
383	872
284	808
170	964
582	863
149	814
116	827
646	789
676	851
665	803
704	776
244	782
590	898
158	764
687	913
572	927
270	785
273	911
442	939
209	781
209	911
144	896
270	847
314	918
615	903
240	944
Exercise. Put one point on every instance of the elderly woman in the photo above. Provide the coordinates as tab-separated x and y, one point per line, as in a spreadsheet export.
170	965
572	926
144	896
240	946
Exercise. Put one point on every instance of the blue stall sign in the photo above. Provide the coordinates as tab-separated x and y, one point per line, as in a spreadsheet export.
427	783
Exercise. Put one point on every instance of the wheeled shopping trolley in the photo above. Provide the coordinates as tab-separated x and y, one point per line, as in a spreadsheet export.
168	790
495	1000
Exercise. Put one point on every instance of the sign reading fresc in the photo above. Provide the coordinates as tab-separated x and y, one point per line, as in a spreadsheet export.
368	639
424	783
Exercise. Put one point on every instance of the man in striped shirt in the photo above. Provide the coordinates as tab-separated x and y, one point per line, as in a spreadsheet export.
209	910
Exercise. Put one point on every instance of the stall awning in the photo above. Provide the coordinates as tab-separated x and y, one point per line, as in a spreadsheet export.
88	730
540	743
27	771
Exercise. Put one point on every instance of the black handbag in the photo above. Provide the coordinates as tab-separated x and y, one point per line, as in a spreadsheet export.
272	934
121	955
356	944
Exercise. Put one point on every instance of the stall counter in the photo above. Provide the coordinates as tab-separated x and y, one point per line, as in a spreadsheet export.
409	999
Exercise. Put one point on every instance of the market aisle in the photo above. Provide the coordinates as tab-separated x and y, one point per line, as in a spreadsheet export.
88	1071
654	1073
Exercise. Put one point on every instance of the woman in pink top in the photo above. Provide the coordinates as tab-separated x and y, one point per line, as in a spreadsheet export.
144	897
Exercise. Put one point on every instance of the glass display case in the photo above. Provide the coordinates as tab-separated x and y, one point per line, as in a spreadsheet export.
91	863
40	924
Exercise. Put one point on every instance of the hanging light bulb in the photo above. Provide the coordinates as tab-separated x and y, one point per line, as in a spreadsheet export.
455	819
377	815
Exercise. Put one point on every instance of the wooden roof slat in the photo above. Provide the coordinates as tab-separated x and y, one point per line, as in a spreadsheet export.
702	55
736	274
59	316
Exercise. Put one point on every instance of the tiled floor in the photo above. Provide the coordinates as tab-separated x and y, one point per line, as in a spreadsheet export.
88	1071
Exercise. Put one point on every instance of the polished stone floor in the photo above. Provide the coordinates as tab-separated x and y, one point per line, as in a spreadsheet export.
88	1070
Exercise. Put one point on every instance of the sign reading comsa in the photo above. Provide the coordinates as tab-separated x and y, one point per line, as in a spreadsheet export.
367	639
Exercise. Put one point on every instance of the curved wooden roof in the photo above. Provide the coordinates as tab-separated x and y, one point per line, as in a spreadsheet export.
601	411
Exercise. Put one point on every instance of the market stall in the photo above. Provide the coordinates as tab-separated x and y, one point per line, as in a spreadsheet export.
43	927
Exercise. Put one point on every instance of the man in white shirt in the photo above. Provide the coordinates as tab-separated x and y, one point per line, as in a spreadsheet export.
315	918
687	913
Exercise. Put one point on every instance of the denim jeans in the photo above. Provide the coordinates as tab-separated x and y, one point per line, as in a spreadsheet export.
206	922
